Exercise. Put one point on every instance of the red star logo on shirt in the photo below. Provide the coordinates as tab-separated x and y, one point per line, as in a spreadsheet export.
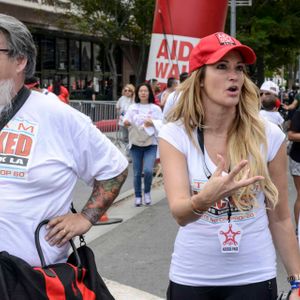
230	236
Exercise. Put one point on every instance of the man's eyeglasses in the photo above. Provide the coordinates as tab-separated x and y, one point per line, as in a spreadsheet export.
4	50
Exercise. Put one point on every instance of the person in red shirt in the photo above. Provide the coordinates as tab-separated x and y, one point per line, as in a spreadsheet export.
59	90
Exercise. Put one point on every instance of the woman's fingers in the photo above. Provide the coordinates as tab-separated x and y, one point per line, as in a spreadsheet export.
237	169
249	181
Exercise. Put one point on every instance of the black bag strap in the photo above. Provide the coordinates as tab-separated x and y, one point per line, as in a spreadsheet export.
17	103
41	255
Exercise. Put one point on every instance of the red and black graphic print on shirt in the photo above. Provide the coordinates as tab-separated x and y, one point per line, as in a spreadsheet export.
17	141
218	213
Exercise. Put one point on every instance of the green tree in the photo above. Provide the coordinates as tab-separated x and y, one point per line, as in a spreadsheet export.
139	33
106	19
272	29
118	23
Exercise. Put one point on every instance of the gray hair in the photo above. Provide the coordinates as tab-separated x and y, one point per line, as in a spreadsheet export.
19	42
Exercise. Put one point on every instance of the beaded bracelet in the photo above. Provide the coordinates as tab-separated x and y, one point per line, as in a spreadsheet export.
294	277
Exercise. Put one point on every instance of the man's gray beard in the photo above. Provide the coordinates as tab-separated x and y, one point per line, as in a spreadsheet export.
7	93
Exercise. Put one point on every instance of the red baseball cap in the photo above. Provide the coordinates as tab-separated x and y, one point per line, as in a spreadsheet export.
213	47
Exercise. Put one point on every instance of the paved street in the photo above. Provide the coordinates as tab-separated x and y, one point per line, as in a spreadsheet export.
135	255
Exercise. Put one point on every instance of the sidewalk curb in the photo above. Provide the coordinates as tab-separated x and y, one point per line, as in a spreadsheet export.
125	292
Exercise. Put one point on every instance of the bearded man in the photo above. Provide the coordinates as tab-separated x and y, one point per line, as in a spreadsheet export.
44	149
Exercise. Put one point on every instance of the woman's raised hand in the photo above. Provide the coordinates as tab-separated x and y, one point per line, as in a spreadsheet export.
220	186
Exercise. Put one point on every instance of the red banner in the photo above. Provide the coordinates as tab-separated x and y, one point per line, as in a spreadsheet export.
177	28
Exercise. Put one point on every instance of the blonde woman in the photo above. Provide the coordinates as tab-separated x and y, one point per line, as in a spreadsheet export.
226	182
122	105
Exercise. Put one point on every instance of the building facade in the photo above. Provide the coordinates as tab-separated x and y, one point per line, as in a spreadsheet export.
73	57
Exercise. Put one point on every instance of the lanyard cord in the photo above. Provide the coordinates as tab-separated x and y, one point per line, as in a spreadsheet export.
207	172
201	144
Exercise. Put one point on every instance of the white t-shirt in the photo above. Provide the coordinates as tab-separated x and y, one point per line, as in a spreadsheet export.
44	149
122	104
137	114
170	103
197	259
50	94
272	116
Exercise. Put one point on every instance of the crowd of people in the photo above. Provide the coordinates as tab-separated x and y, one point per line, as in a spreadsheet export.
222	144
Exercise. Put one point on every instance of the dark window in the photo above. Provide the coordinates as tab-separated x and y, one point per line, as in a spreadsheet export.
61	54
86	56
48	53
97	58
74	55
37	43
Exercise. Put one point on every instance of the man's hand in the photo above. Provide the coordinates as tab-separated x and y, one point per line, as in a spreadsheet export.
63	228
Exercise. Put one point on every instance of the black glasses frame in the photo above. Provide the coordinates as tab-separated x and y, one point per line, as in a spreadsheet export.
4	50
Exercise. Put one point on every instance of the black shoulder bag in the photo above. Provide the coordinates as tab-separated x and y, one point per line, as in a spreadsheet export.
77	279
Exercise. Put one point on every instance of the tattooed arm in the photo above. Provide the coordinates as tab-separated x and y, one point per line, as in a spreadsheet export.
103	195
63	228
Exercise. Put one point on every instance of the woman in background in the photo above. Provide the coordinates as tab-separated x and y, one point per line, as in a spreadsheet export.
141	119
122	105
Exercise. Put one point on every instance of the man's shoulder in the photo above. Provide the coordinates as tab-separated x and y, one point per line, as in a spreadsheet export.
46	105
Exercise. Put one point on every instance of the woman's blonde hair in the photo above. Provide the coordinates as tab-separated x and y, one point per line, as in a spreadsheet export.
130	87
246	137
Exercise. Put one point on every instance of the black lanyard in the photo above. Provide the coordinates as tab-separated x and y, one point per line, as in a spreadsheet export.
207	172
17	103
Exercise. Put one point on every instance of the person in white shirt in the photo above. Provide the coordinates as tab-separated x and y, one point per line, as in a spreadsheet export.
172	83
269	110
44	149
122	106
143	118
173	97
225	177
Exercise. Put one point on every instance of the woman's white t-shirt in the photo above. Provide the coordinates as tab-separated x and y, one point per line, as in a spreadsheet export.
44	149
197	259
137	113
123	104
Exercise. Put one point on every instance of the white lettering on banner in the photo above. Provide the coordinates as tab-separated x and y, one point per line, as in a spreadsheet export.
169	56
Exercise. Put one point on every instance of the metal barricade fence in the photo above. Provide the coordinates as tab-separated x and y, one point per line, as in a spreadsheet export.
96	110
103	114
